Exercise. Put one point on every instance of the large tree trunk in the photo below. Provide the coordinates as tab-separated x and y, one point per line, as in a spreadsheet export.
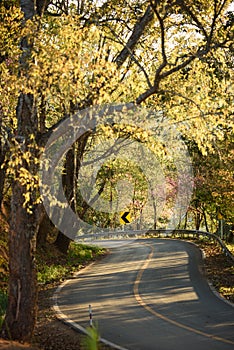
62	242
21	311
45	226
3	151
72	167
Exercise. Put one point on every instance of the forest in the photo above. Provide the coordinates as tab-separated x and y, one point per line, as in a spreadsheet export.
130	104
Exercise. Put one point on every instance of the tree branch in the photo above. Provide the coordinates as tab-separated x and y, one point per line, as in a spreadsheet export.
172	92
179	67
134	38
188	10
163	51
114	149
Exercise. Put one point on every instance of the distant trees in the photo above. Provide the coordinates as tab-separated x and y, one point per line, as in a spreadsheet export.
213	185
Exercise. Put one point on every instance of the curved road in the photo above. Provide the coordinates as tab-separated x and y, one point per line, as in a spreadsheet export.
151	295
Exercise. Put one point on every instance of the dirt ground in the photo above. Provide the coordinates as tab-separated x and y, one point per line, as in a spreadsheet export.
52	334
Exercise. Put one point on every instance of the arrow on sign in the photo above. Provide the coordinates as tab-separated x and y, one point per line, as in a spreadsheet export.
125	217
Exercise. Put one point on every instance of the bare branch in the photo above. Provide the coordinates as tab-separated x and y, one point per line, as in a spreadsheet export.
175	93
132	56
114	149
217	12
188	10
179	67
162	29
134	38
163	51
146	94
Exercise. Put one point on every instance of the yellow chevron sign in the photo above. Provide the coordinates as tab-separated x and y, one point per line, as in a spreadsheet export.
125	218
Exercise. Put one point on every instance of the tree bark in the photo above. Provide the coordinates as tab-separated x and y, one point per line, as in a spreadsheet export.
185	221
155	214
137	32
205	220
44	228
3	151
2	182
62	242
197	220
22	310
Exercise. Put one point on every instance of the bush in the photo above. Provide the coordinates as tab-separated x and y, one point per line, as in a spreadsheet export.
80	253
51	273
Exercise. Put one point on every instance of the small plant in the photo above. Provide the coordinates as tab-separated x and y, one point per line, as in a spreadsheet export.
91	341
3	306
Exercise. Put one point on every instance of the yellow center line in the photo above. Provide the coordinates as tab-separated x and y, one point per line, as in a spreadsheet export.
157	314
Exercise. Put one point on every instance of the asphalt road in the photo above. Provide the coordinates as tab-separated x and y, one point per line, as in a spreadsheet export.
151	295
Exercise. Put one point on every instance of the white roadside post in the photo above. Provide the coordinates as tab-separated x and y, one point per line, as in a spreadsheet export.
90	316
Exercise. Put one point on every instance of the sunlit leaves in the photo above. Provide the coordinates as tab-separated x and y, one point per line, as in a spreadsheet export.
10	32
199	102
67	66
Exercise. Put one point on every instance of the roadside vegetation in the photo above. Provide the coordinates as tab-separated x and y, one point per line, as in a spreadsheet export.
53	266
219	269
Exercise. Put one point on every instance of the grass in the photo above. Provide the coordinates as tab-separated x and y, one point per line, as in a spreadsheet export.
51	273
91	341
55	266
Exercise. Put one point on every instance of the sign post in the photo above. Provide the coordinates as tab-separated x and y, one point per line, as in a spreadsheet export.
220	218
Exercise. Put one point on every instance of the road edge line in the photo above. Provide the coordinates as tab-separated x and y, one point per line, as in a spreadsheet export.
74	325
